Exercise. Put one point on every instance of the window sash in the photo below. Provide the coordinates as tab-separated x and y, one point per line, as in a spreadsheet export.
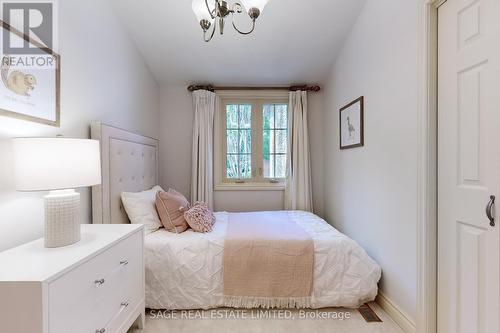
274	132
257	159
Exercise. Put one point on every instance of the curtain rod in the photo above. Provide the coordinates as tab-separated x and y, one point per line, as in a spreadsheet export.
292	88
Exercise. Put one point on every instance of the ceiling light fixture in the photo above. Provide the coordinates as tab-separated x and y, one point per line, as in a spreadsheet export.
209	12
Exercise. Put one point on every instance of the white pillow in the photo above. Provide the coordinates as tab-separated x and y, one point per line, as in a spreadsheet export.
141	209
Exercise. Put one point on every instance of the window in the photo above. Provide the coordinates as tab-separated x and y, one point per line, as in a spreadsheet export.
239	141
274	148
251	136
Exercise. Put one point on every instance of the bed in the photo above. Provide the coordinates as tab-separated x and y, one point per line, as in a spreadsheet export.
186	271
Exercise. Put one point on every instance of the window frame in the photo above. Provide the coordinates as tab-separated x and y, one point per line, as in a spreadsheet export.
257	99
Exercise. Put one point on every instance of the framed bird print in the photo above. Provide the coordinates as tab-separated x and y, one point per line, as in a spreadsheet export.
30	82
352	124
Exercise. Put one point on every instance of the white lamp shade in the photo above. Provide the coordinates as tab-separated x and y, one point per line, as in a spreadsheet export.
259	4
43	164
201	11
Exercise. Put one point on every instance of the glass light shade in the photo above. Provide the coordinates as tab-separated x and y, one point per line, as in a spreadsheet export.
201	11
259	4
43	164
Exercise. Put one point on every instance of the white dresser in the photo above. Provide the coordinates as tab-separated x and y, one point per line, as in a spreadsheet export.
93	286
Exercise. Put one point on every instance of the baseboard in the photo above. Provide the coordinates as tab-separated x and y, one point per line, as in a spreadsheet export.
399	317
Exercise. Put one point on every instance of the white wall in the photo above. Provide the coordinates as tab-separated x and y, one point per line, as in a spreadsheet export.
104	78
176	137
176	123
371	192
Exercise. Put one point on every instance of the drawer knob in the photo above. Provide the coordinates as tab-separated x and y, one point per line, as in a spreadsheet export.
102	330
99	283
124	262
125	304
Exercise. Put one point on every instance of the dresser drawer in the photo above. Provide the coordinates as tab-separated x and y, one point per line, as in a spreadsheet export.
121	314
119	297
89	297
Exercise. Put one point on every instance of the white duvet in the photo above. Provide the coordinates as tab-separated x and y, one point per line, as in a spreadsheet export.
184	271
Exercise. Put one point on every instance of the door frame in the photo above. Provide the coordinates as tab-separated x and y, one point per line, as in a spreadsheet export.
427	48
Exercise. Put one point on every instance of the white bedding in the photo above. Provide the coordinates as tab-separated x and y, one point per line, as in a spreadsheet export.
185	271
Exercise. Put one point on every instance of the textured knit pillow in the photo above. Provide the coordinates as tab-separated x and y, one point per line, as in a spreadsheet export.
171	208
200	218
140	208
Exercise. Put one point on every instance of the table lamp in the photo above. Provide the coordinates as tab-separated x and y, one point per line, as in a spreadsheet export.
58	165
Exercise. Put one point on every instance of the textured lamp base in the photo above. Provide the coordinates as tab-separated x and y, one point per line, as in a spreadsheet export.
62	218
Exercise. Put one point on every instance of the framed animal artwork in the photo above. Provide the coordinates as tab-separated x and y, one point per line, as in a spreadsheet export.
352	124
30	83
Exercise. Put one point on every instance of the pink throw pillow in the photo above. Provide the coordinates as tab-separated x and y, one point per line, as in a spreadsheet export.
200	218
171	207
172	191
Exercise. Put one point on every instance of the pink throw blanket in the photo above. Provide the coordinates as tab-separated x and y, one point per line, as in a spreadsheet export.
268	261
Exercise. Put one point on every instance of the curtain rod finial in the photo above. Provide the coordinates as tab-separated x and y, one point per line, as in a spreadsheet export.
200	87
305	88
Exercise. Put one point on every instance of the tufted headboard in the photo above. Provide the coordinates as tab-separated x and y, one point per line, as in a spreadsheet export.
129	163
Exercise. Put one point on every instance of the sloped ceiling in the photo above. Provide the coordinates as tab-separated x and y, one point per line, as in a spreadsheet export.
295	41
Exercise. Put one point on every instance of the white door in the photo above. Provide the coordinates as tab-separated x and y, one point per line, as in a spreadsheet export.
469	166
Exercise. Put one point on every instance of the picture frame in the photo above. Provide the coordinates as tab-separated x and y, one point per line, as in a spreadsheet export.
351	124
40	102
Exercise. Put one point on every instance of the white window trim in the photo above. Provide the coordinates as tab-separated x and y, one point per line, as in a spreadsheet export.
219	139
